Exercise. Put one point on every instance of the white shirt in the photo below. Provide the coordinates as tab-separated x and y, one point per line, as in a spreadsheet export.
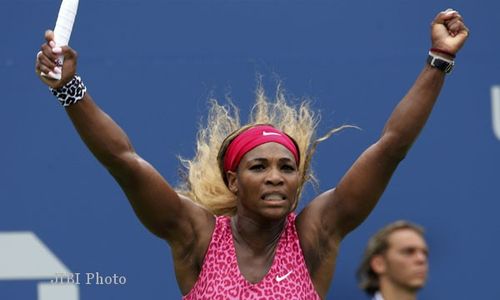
378	296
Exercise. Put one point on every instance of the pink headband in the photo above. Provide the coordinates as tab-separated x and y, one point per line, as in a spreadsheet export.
253	137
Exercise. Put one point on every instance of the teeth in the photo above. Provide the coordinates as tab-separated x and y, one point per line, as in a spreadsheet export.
274	196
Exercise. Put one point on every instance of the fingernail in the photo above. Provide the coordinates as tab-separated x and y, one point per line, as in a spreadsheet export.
52	44
57	50
58	70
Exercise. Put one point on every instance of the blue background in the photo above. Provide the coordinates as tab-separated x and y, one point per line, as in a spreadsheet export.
153	64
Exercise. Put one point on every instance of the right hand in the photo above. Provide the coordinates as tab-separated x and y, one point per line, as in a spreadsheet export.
45	62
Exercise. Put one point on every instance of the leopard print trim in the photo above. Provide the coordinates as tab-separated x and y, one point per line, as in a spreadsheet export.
71	92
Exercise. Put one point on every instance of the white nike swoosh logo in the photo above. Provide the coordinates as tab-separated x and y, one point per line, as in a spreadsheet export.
281	278
265	133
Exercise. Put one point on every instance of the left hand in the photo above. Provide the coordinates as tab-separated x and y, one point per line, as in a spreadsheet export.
448	31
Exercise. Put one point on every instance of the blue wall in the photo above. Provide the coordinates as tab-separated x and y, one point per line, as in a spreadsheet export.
152	66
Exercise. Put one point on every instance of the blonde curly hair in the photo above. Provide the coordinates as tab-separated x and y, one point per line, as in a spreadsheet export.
202	178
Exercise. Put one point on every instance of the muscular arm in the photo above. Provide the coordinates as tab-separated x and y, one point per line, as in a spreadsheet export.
346	206
333	214
177	219
156	204
186	226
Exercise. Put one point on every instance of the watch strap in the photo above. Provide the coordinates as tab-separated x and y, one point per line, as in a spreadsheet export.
440	63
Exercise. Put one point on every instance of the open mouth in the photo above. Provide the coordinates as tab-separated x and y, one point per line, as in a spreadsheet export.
273	197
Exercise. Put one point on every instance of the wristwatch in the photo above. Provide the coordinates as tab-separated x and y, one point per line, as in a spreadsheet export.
440	63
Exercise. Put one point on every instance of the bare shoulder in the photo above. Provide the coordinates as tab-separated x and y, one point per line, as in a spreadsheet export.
318	240
315	220
316	231
201	224
189	252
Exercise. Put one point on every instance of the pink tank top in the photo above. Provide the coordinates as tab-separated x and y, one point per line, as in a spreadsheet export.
220	277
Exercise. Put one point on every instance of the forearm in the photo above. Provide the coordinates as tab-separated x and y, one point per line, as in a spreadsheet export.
345	207
411	114
360	189
104	138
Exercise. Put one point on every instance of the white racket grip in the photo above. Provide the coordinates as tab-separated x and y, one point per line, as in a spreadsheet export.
62	31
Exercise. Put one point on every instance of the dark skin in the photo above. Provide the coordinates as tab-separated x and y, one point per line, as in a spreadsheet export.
266	179
266	182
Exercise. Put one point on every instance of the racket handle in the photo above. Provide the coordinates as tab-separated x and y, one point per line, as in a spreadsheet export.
62	31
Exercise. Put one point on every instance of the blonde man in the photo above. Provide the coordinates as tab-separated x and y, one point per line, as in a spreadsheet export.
395	264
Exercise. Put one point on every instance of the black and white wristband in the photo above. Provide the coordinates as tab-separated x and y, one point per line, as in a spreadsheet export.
71	92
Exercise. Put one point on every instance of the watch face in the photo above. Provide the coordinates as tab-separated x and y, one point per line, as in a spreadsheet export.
440	63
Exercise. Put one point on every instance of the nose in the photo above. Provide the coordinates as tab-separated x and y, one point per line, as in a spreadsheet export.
421	257
274	177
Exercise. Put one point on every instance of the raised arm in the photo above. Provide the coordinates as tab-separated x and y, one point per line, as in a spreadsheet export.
332	215
342	209
157	205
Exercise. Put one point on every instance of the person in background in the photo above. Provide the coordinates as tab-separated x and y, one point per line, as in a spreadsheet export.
395	263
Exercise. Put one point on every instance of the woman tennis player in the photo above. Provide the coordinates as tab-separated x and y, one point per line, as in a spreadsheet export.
232	226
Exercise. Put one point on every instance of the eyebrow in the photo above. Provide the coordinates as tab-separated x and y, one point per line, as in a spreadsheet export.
263	160
425	249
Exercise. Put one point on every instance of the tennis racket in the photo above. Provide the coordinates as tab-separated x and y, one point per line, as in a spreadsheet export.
62	31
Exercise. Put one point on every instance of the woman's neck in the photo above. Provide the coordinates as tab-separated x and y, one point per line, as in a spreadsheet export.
258	237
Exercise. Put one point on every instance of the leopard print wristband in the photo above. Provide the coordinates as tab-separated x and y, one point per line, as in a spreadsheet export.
71	92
